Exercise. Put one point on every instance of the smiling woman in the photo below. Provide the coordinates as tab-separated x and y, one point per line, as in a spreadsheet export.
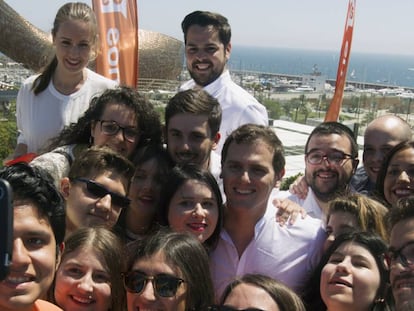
352	275
88	275
61	93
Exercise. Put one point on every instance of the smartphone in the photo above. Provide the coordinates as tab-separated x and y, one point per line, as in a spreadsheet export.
6	227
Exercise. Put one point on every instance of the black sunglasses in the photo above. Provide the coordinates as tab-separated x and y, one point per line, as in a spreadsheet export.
228	308
100	191
164	285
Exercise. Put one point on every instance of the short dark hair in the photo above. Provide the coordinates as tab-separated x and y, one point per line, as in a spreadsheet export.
35	185
148	119
100	159
205	18
328	128
197	102
249	133
175	180
187	254
379	186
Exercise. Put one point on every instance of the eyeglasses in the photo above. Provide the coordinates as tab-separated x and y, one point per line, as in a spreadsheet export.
100	191
334	158
228	308
405	254
112	128
164	285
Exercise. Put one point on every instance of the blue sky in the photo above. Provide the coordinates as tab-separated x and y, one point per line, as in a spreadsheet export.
381	26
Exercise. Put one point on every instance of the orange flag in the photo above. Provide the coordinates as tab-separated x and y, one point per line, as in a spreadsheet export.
333	112
118	32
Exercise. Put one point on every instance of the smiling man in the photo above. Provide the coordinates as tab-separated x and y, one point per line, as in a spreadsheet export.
331	157
38	233
96	188
207	49
251	240
401	253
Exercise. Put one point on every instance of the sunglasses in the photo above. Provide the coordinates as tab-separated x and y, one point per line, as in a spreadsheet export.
228	308
164	285
100	191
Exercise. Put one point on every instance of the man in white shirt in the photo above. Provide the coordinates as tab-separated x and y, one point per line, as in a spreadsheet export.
251	240
207	49
331	158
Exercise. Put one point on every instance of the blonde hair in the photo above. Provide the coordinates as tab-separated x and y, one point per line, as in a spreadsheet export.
369	213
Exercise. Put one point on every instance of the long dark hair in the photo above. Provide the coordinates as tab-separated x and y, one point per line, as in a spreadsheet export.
379	186
177	177
185	253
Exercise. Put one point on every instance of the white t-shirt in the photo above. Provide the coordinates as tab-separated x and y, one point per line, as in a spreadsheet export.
42	117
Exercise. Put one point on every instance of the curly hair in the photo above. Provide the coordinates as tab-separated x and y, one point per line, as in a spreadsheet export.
148	120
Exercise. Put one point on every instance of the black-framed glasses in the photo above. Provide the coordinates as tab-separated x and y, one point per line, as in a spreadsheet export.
405	254
164	285
335	157
112	128
100	191
228	308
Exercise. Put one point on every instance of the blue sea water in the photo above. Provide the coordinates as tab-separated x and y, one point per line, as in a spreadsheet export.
392	70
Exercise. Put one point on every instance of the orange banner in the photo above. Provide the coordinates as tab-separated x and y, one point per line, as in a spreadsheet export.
333	112
118	32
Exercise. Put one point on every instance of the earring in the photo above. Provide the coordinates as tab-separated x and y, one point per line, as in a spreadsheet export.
379	300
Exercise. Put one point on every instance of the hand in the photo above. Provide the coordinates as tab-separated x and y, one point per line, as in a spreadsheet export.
299	187
287	210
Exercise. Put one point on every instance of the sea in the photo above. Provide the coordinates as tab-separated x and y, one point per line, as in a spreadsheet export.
390	70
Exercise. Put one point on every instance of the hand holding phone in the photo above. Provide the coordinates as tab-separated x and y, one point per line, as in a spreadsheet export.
6	228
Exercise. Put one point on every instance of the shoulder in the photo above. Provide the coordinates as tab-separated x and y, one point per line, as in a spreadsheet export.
100	80
28	83
42	305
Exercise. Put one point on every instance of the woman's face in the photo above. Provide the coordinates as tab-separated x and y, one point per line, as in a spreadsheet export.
245	296
119	115
339	222
73	43
148	299
194	209
145	191
350	279
82	282
399	178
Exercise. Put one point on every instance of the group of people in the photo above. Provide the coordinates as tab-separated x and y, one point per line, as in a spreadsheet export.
118	211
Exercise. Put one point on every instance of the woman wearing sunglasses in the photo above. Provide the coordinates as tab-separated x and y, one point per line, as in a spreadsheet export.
120	119
88	275
256	292
168	271
96	189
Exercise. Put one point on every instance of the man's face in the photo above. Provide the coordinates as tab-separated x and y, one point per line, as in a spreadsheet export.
189	139
205	54
248	175
402	278
34	259
86	209
377	143
327	178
